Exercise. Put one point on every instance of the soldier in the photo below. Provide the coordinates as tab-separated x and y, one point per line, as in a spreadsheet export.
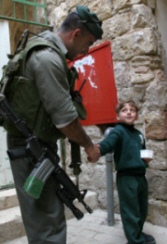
42	97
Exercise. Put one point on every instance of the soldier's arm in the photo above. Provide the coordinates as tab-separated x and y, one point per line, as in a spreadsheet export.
76	133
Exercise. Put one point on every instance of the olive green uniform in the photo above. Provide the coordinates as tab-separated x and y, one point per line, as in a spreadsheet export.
46	68
126	142
38	85
44	218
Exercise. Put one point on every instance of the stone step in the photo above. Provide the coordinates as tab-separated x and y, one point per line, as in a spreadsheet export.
8	199
11	227
20	240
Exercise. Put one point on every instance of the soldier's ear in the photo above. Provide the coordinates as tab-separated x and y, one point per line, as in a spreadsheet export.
76	34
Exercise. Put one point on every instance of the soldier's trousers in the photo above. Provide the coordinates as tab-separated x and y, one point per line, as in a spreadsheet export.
43	218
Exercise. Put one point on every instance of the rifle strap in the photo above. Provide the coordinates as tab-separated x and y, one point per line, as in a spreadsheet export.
76	158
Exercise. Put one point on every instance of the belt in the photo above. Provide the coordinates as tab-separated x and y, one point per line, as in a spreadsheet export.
123	173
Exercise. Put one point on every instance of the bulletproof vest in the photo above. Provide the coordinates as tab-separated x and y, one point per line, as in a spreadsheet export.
22	94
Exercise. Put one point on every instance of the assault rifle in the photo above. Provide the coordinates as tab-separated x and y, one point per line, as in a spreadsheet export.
46	164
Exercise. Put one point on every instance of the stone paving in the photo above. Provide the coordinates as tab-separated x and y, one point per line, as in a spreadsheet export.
94	229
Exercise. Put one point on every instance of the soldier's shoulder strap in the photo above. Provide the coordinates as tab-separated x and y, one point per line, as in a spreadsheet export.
17	61
37	43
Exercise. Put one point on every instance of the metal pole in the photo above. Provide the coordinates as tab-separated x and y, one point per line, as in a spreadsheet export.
110	188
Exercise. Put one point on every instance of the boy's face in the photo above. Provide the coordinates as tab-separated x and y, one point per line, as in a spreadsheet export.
127	114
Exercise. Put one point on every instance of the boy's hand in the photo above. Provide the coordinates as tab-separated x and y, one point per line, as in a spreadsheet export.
147	160
93	153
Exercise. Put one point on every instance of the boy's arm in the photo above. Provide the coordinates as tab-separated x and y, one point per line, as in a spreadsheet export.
106	146
109	144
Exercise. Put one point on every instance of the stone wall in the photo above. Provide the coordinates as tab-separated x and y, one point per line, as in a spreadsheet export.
131	27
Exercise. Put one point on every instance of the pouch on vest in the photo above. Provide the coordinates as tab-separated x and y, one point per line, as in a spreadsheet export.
30	110
9	71
77	101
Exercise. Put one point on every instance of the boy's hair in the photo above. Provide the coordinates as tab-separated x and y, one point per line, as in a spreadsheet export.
121	104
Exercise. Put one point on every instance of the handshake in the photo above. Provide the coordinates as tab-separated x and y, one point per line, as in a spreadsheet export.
93	153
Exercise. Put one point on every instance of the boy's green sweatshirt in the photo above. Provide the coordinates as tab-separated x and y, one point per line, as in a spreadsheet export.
126	142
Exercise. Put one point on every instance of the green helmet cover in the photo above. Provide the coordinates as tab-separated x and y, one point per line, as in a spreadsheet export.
90	20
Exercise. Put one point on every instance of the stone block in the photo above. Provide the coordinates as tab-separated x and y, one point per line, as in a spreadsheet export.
141	69
94	132
87	178
156	98
160	75
102	198
101	8
117	25
160	154
100	177
140	42
72	4
142	78
57	15
142	16
11	225
122	74
156	125
153	62
157	213
137	1
119	4
151	3
8	199
157	181
54	2
135	93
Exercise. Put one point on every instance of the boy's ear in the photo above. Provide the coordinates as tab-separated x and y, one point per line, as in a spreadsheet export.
118	117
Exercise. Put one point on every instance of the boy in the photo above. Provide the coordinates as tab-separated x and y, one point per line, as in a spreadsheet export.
126	142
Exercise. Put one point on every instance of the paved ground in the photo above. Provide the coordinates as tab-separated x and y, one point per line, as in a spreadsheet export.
94	229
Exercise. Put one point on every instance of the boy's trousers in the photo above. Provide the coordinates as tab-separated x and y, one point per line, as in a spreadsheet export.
133	199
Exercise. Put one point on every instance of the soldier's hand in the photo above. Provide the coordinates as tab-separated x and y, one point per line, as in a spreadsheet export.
93	153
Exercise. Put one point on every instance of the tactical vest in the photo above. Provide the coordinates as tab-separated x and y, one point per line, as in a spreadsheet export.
22	95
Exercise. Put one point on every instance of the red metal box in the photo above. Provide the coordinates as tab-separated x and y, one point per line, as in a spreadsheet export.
99	91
